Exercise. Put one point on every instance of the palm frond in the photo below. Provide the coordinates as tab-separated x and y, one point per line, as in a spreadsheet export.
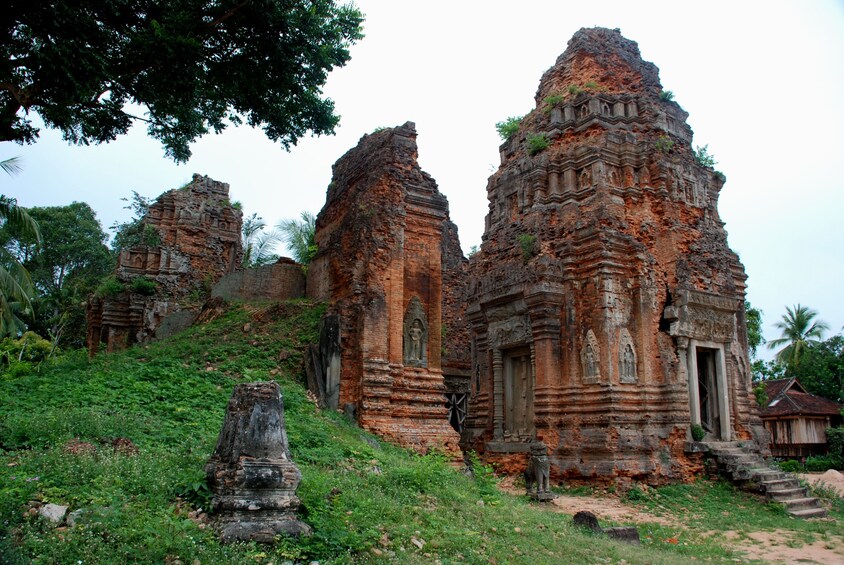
299	236
12	166
19	219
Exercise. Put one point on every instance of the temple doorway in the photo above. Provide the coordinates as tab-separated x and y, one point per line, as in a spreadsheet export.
707	384
518	393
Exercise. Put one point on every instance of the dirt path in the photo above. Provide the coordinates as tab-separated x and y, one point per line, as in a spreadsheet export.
783	546
778	546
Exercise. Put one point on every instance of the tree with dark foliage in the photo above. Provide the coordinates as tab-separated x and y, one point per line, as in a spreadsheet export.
192	65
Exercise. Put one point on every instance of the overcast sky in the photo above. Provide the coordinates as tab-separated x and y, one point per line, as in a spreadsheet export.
763	83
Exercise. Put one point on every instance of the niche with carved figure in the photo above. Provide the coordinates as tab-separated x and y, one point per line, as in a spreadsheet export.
584	179
590	355
627	370
584	111
415	335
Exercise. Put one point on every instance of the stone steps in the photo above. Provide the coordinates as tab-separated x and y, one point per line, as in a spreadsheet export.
750	471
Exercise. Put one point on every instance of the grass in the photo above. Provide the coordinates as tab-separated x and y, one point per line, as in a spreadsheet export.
366	500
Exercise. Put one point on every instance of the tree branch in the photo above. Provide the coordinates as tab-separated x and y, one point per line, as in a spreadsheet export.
228	14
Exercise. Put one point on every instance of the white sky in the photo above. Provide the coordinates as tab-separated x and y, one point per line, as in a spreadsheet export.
762	82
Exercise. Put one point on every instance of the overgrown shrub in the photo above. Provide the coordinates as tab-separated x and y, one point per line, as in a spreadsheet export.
509	127
704	158
537	142
574	90
821	463
553	100
790	466
143	285
28	348
664	144
835	439
110	287
527	243
666	95
698	432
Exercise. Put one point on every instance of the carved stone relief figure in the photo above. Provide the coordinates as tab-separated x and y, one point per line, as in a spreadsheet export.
626	358
415	335
615	177
585	178
645	176
590	359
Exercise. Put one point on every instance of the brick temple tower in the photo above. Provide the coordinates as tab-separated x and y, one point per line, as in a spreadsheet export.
606	308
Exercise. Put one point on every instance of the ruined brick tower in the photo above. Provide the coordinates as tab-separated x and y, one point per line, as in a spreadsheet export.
381	237
188	240
606	308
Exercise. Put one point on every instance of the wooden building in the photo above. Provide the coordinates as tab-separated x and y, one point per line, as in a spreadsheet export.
796	419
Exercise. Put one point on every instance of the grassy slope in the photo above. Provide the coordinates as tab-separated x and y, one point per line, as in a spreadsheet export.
366	500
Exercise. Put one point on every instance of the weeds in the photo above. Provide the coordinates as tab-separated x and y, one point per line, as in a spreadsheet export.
537	142
664	144
703	157
509	127
527	243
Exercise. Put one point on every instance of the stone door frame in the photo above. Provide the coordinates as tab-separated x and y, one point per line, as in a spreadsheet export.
721	396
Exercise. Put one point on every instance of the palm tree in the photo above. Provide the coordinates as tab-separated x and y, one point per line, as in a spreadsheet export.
798	333
16	288
299	237
258	245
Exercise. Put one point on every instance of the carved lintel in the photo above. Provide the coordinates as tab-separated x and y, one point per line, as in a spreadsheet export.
702	316
511	332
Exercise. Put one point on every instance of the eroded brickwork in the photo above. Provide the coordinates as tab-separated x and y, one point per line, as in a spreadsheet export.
380	265
191	239
606	308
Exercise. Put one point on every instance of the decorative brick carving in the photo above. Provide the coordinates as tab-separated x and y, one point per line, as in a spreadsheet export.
198	233
630	285
385	246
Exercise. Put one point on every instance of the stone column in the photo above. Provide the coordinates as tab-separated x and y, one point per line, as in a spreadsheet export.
498	394
569	181
683	355
694	396
553	182
723	394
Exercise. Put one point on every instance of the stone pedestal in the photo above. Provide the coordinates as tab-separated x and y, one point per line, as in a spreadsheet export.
251	474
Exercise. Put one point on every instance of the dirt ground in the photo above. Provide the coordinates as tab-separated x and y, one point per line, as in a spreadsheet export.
830	479
779	546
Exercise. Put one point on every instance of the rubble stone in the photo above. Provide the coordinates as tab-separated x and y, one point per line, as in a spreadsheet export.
54	513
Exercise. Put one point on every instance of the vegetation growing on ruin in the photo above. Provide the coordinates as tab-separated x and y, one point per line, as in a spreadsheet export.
664	144
527	243
509	127
553	100
537	142
666	95
366	500
703	157
143	286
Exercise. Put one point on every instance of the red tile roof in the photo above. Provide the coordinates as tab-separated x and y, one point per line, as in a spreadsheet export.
787	397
